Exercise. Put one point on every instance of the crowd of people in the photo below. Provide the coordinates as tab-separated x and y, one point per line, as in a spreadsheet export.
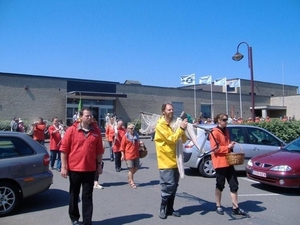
78	151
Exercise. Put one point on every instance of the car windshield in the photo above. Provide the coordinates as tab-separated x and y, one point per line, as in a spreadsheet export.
293	146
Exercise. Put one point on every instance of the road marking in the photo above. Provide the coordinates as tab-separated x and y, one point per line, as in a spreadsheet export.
247	179
251	195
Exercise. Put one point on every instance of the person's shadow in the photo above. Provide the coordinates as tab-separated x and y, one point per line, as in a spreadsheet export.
204	207
123	219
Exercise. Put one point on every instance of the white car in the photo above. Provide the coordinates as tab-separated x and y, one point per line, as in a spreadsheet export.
252	141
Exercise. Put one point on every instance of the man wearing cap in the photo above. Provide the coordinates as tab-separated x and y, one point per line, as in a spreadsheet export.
165	141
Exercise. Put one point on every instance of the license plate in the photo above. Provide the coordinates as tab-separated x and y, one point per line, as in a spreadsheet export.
260	174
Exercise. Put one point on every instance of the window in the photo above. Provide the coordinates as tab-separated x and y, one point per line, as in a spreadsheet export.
236	134
261	137
178	108
13	147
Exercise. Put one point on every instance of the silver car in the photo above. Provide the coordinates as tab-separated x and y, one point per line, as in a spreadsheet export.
24	169
252	141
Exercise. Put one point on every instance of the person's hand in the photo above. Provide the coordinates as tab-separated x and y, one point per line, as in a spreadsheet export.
231	145
99	169
183	124
64	172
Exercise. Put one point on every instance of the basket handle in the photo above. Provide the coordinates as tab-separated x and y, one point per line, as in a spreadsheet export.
241	148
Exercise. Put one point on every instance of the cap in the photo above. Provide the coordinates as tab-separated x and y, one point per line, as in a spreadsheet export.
130	125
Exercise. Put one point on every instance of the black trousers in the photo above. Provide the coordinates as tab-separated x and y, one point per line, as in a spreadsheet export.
118	160
86	180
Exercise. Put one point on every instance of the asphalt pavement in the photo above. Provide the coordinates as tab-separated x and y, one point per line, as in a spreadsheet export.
119	204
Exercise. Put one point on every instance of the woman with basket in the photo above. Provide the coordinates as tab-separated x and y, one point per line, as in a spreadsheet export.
220	140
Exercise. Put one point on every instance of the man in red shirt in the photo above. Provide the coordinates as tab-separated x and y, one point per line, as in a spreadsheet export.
55	140
81	157
116	147
39	131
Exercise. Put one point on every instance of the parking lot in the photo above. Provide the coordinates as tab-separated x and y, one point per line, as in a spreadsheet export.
118	204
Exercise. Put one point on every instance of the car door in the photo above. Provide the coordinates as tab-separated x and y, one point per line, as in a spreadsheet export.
261	141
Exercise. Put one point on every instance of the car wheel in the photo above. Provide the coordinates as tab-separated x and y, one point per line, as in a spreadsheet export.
206	168
9	198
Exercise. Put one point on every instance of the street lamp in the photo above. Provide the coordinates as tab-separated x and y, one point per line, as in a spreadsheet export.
237	57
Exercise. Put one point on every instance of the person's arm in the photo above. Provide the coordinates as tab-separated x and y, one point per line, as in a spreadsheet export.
64	170
99	164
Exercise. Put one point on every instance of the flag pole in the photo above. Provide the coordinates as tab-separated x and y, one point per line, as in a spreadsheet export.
241	107
211	100
226	96
195	97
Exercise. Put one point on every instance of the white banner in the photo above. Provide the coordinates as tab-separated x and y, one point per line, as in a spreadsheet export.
188	79
220	82
234	83
205	80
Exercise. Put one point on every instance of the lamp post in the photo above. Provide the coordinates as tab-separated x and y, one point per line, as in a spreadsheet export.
237	57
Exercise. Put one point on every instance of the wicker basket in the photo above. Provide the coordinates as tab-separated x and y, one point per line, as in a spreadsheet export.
143	150
236	158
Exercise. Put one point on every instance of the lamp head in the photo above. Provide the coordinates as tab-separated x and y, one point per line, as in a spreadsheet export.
237	57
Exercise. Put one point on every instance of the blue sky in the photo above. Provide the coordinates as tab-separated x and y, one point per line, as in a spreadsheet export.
152	41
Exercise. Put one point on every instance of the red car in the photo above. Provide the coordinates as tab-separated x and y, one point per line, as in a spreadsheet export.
279	168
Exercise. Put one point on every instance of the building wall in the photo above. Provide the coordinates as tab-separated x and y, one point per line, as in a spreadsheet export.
43	97
292	103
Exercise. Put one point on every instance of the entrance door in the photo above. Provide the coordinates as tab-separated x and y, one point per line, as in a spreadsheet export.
103	112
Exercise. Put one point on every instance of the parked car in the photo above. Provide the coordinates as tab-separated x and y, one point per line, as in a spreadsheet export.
280	168
24	169
251	140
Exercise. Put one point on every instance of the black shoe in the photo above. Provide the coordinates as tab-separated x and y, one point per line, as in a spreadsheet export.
111	159
162	214
239	212
174	213
76	222
219	210
118	169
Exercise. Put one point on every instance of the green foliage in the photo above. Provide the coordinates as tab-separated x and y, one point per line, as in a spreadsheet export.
5	125
287	131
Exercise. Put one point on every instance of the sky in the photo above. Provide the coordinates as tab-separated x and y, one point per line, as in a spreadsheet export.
154	42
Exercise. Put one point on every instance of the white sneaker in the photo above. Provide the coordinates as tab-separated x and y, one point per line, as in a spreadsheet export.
98	186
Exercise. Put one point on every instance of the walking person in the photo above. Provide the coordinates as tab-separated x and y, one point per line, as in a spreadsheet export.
39	128
222	168
110	136
55	141
117	143
130	153
81	156
165	142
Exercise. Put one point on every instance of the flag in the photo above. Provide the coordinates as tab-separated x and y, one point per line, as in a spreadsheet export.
220	82
79	105
234	83
205	80
188	79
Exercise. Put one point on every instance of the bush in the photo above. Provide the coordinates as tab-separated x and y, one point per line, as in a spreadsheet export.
287	131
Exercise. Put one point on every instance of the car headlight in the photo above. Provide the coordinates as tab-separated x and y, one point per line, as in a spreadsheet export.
282	168
250	163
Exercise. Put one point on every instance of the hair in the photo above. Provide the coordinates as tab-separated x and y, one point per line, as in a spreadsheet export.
84	109
164	105
40	118
53	119
219	116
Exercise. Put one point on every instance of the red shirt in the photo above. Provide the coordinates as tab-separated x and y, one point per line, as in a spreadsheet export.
218	157
109	133
55	138
82	148
39	132
121	133
130	149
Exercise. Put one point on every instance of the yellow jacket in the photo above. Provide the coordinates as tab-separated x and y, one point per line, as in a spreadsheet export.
165	142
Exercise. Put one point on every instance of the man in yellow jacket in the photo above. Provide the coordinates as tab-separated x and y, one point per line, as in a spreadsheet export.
165	141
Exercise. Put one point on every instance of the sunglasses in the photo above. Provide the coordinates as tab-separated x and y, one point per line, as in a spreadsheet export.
224	120
130	128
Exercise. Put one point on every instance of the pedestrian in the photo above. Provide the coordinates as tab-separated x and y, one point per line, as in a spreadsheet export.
81	156
110	135
21	126
130	153
117	143
75	117
39	128
55	141
14	124
165	142
223	169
